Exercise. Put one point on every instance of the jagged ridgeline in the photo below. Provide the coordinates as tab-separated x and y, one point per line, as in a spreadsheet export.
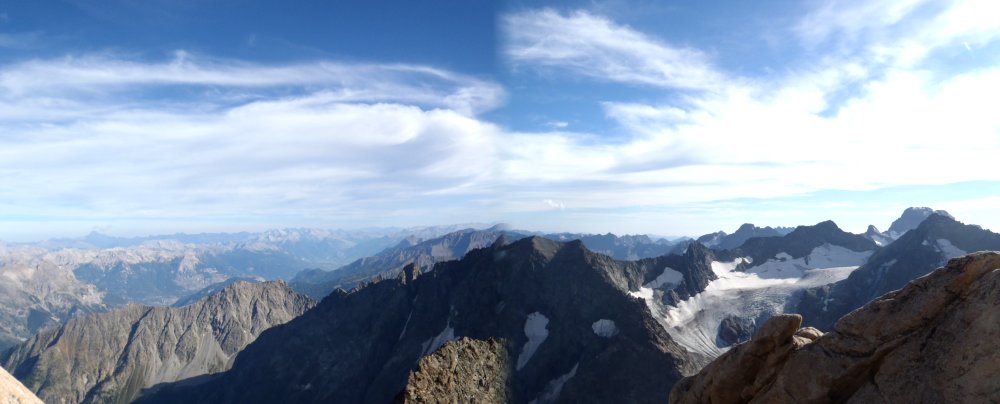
115	356
569	329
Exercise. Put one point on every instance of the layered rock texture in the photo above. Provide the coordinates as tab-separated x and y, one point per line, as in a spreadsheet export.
13	392
933	341
114	356
574	334
463	371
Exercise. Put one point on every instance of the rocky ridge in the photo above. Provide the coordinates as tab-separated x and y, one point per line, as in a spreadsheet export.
114	356
931	341
574	332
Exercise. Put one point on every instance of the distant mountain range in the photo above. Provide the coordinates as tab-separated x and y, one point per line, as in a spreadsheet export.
44	284
536	317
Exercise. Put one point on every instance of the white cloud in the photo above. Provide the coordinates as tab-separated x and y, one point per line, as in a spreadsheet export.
108	136
553	204
351	142
90	76
594	46
895	123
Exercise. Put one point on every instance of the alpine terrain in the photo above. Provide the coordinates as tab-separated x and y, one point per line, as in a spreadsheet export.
115	356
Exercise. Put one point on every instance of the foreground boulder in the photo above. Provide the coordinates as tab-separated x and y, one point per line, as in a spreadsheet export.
932	341
13	392
462	371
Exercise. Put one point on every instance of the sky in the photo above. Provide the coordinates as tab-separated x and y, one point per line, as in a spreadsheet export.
658	117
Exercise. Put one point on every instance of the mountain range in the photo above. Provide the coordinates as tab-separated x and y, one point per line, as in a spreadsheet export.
491	314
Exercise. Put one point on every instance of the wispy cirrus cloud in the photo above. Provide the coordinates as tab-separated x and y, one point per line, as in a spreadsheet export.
96	138
591	45
110	74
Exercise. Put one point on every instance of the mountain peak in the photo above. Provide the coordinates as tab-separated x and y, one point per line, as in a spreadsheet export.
911	218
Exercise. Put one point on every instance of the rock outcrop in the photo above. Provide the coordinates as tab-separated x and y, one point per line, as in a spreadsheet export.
114	356
13	392
933	341
463	371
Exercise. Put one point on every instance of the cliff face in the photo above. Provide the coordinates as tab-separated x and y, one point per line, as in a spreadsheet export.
112	357
934	340
13	392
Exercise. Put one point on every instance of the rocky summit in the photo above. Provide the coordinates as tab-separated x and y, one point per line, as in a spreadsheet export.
933	341
114	356
573	333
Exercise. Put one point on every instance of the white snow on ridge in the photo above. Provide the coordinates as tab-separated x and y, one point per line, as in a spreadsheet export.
536	331
948	249
759	291
669	278
783	266
605	328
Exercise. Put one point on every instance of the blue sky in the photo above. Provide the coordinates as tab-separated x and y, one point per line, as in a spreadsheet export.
675	118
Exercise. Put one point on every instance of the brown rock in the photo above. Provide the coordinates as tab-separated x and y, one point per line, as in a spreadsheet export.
463	371
13	392
932	341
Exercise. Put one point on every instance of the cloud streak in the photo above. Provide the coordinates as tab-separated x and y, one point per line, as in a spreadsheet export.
594	46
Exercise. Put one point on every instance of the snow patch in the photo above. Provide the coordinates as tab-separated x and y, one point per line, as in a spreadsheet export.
535	330
669	276
668	279
431	345
555	386
605	328
948	249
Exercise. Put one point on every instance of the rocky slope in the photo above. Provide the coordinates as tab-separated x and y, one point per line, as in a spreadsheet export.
931	341
462	371
388	263
574	332
37	291
13	392
112	357
916	253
